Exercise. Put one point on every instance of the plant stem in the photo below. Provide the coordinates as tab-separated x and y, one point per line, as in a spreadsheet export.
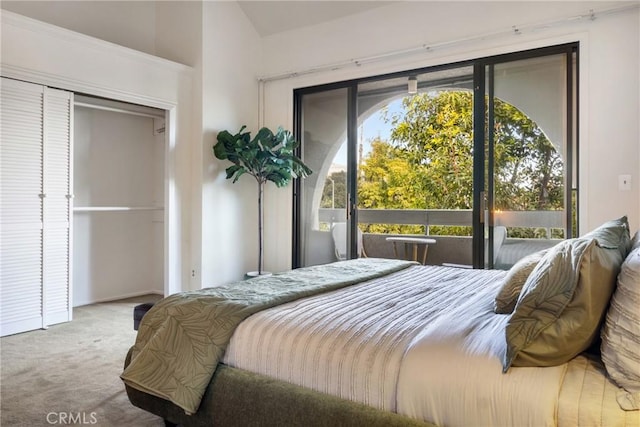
260	218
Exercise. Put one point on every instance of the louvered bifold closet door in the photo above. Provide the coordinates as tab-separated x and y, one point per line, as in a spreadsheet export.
35	206
21	161
58	126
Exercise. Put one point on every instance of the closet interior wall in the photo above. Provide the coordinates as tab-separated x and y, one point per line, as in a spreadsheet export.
118	214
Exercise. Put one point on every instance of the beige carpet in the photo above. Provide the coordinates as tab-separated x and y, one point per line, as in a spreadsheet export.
69	373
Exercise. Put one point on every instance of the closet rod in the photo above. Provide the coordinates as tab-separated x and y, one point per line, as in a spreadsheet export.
118	110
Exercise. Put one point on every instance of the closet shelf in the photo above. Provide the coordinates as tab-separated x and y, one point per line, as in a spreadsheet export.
116	208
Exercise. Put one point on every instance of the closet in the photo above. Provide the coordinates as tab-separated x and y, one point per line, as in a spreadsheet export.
118	213
81	203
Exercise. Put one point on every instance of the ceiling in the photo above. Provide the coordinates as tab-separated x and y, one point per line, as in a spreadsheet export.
271	17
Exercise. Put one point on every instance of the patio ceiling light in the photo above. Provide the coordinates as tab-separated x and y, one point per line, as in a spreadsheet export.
412	85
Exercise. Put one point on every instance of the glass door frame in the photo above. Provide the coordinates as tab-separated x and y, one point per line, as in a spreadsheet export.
483	201
352	161
483	179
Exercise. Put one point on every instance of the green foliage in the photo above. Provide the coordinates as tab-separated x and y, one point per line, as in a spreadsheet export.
529	170
428	164
435	135
267	157
335	195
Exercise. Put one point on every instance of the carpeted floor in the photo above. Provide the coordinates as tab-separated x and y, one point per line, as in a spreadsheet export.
69	373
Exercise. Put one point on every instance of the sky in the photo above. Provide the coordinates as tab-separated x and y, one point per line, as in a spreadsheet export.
372	128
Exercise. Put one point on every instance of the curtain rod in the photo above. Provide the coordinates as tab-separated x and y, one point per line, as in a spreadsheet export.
515	30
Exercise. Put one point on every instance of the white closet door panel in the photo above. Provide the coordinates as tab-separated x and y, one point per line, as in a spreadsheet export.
57	158
21	206
57	205
56	275
21	153
21	292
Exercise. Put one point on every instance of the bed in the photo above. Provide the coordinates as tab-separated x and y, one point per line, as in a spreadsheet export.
388	342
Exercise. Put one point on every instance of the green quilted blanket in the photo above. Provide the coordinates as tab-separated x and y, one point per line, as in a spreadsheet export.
182	338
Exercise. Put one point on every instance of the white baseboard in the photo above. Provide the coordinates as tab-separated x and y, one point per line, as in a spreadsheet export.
119	297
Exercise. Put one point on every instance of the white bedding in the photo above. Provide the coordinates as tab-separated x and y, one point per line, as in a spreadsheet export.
423	342
350	342
452	373
588	397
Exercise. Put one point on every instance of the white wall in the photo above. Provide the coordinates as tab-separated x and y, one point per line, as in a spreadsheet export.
609	81
180	38
167	29
178	31
611	121
131	24
405	25
230	64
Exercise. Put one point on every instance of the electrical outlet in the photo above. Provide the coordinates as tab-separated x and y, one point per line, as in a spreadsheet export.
193	273
624	182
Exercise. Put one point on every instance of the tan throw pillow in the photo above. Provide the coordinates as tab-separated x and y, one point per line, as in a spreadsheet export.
514	281
621	333
562	304
613	234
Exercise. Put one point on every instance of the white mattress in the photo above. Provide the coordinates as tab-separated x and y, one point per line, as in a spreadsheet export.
423	342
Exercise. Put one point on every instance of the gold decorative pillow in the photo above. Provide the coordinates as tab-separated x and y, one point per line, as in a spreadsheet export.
514	281
613	235
533	338
565	298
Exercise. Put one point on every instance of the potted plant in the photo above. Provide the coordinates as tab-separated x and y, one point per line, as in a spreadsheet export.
267	157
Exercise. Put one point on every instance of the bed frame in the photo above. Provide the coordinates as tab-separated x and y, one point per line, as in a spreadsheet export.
236	397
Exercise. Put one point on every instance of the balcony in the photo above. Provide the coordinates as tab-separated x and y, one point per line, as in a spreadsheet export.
450	249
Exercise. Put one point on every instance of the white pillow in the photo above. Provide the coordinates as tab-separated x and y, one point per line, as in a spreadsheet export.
621	333
635	241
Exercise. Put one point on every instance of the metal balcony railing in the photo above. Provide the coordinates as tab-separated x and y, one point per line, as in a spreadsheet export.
453	249
446	217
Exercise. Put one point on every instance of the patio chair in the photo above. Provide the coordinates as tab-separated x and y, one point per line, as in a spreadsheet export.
339	234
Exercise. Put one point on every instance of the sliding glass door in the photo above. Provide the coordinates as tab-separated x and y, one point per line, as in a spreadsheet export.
414	175
527	198
476	157
321	125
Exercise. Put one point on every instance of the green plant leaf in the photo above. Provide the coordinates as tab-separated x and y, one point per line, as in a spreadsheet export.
267	157
231	170
239	174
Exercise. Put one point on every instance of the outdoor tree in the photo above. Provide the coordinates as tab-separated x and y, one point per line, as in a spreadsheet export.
529	170
334	194
388	180
435	134
428	162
